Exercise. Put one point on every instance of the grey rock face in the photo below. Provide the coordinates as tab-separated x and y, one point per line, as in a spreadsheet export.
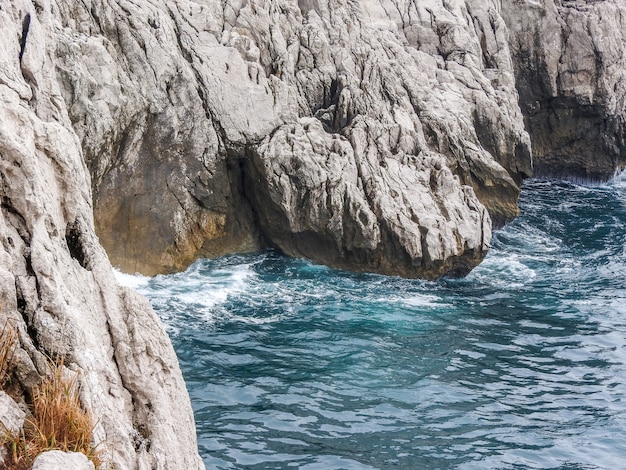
177	106
409	118
181	106
571	77
380	135
142	82
56	283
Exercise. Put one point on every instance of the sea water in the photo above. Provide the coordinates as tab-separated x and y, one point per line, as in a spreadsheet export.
522	364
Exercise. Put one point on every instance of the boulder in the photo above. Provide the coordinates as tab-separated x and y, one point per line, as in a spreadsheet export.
57	460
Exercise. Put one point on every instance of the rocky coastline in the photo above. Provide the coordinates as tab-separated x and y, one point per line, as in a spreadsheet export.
374	135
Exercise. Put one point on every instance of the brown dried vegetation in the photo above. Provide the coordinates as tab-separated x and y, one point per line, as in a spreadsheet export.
57	420
8	342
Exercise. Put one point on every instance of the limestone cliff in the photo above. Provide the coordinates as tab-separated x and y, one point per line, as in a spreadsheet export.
369	135
203	123
56	283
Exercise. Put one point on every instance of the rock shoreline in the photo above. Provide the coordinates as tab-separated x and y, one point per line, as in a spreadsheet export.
390	97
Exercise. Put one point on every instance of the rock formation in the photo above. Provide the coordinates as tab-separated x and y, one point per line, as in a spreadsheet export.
368	135
185	109
56	284
570	67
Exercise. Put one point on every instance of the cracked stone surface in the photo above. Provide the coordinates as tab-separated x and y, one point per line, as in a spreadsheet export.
182	109
375	135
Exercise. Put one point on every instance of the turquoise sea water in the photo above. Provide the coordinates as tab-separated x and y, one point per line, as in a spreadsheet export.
520	365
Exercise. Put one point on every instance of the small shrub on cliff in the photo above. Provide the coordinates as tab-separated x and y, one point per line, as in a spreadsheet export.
58	422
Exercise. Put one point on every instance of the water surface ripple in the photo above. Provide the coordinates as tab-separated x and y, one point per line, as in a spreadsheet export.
520	365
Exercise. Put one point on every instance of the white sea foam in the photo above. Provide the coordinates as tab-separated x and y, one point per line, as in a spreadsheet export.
134	281
200	292
537	325
423	301
252	320
619	179
504	271
208	290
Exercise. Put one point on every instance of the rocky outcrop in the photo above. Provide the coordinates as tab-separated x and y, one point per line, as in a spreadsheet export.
326	198
406	113
570	67
384	173
56	283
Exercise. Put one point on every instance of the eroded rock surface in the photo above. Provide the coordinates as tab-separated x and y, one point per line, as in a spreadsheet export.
570	64
320	198
180	108
56	283
11	415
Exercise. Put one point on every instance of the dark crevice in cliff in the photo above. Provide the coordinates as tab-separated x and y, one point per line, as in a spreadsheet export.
242	181
265	215
142	436
37	291
74	240
330	112
25	29
15	218
96	17
183	50
20	301
27	313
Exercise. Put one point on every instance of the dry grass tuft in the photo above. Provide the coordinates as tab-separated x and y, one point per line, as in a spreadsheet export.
58	422
8	343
